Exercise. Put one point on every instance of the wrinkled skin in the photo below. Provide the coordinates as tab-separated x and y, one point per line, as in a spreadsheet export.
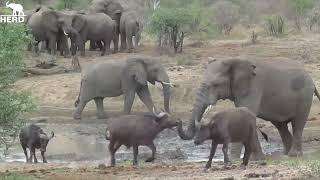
33	137
44	26
279	91
232	125
131	131
130	26
111	8
83	27
114	78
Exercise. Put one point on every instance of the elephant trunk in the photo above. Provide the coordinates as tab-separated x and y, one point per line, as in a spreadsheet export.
199	106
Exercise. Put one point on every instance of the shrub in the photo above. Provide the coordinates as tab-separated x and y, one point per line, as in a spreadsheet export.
275	25
184	60
66	4
13	104
299	9
15	177
226	16
171	25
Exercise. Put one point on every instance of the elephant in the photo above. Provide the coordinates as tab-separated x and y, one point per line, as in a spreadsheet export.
45	26
130	25
277	90
83	27
111	8
115	78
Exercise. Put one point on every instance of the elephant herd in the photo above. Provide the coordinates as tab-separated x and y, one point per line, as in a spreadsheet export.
102	23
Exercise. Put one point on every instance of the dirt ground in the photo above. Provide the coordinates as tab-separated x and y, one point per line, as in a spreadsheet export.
55	95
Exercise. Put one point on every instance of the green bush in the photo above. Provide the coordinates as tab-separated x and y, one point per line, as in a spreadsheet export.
275	25
66	4
15	177
184	60
172	25
300	9
13	104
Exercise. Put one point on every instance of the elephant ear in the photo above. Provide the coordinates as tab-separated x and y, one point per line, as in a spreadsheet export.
78	22
50	20
241	73
137	70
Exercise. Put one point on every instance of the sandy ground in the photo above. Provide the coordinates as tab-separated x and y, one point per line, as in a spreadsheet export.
55	95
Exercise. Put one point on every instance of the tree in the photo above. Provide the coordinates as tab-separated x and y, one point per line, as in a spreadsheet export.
300	9
13	104
226	15
171	25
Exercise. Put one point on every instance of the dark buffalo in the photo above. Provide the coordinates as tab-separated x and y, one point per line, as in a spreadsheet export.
232	125
33	137
137	130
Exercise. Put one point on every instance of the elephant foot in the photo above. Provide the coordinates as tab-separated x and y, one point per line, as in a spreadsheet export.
243	167
295	153
102	115
76	116
151	159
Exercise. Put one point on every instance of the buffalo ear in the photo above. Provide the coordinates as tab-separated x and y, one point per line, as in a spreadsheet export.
137	70
50	20
78	22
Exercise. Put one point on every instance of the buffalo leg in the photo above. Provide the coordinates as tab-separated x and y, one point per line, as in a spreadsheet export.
25	153
33	150
135	154
212	152
44	160
225	153
247	153
153	149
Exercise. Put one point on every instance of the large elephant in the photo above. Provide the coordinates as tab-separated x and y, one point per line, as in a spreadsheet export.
115	78
45	26
111	8
83	27
130	26
278	90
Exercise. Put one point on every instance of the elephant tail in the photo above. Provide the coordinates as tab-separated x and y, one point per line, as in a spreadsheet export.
316	93
78	99
265	136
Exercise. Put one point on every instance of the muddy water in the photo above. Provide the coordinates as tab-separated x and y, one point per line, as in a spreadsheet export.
78	144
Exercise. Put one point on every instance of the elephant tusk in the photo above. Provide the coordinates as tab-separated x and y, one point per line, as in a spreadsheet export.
65	33
207	110
165	83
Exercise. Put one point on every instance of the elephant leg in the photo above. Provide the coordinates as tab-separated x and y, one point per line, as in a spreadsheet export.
285	135
145	96
153	149
297	130
92	46
104	48
123	41
53	45
44	46
128	100
100	109
130	43
79	109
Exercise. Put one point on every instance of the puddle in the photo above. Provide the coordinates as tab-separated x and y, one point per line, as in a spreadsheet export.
84	144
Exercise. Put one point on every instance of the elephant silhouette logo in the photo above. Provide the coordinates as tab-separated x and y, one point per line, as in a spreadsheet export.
17	9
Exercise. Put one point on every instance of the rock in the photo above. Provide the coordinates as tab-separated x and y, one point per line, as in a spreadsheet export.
102	166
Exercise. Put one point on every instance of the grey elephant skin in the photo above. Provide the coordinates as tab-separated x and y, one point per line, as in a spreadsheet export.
231	125
130	26
33	137
111	8
277	90
115	78
45	26
83	27
137	130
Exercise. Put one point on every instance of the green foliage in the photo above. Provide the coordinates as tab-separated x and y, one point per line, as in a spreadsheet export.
13	38
172	24
301	6
5	11
275	25
66	4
